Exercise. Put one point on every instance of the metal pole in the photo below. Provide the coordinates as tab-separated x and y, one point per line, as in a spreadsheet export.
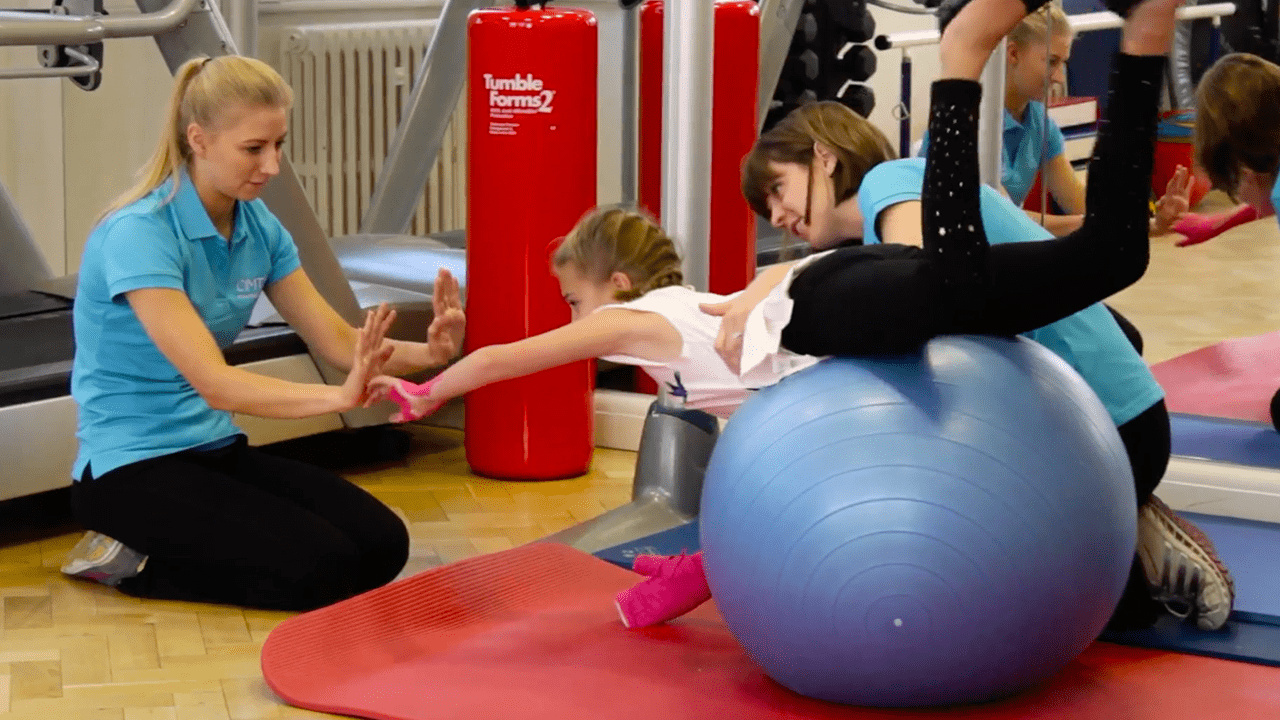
630	94
244	26
24	28
1083	22
991	119
904	122
421	131
689	28
88	66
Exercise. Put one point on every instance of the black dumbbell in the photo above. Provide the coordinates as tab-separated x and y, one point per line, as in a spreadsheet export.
857	97
853	19
804	67
857	62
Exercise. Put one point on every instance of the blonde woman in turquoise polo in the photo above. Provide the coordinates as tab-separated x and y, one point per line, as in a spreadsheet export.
177	504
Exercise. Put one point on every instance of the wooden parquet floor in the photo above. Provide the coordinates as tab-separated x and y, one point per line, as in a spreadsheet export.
77	651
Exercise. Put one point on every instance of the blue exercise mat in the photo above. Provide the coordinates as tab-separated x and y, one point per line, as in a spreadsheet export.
1249	549
1230	441
679	539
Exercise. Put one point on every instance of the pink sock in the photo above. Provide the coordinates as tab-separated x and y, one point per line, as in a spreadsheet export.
1200	228
400	393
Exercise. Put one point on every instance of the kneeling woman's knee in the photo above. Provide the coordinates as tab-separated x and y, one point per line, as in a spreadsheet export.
384	553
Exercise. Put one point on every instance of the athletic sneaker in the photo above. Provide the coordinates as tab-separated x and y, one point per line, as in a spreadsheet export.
103	559
676	585
1182	567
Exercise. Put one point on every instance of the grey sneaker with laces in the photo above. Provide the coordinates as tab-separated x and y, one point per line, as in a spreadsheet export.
1182	567
103	559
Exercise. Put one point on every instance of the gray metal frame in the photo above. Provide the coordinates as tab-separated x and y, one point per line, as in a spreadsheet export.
417	140
689	32
630	105
243	22
25	28
23	263
778	21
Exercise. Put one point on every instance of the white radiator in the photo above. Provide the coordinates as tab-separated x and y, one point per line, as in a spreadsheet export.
351	82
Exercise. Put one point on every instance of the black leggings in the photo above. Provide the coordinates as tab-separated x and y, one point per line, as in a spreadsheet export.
1147	440
243	527
1130	330
886	299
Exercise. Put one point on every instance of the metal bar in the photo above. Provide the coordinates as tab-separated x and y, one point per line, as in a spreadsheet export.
88	66
21	28
630	104
295	7
991	119
904	122
417	140
244	25
1085	22
778	21
689	29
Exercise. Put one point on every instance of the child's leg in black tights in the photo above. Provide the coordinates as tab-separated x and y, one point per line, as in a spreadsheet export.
1017	287
951	213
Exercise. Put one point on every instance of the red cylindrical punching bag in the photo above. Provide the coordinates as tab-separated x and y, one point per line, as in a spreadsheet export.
735	76
531	175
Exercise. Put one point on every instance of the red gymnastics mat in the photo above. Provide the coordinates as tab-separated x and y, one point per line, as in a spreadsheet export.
532	633
1234	379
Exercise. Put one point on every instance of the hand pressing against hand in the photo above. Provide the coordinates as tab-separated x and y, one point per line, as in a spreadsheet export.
369	355
415	400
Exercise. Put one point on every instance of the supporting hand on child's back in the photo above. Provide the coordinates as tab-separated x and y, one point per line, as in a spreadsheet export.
733	324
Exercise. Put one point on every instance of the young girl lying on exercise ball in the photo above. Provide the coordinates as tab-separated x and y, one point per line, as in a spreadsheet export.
621	276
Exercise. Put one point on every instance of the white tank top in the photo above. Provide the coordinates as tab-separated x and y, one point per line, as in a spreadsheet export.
709	383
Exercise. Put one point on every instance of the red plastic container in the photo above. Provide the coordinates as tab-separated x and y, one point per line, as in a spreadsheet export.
531	175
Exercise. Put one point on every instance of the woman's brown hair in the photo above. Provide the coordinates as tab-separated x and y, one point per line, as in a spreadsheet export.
857	144
1238	119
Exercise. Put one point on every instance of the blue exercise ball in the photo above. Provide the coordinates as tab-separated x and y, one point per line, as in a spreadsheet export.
942	528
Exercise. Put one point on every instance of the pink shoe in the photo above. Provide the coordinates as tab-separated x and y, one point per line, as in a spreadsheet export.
648	565
675	585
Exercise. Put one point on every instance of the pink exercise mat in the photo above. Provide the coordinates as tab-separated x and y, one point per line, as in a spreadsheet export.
1233	379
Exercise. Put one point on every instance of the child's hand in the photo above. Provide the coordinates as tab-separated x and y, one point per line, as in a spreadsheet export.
378	389
415	401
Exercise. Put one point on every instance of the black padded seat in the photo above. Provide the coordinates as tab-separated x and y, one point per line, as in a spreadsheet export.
37	346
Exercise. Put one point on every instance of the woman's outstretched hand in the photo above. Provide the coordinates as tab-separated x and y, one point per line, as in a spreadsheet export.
444	336
369	355
1175	202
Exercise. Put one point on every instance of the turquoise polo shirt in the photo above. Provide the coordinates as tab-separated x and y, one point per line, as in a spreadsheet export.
1090	340
1275	197
1022	142
133	403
